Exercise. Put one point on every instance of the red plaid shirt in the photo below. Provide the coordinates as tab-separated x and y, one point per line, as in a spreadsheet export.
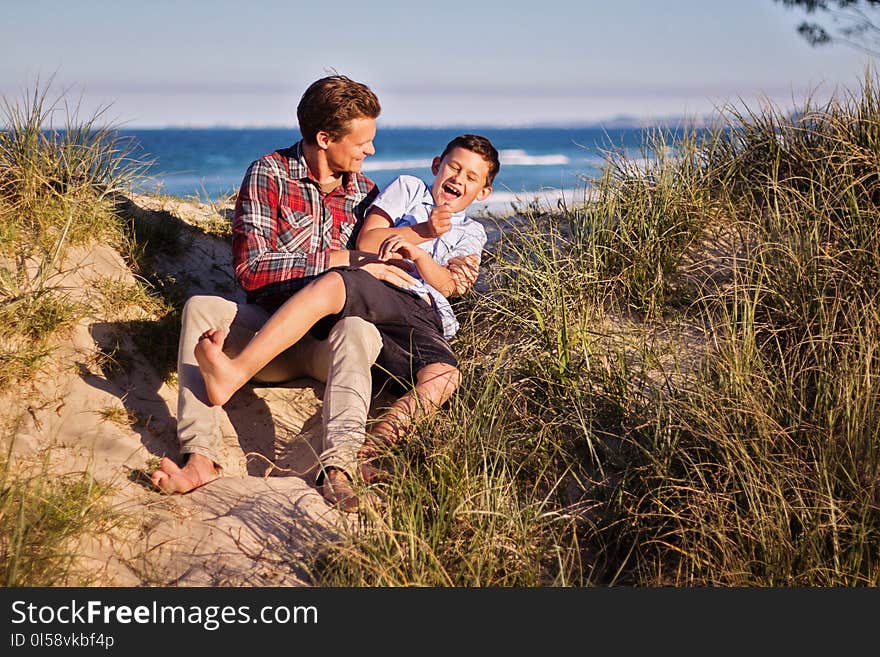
284	228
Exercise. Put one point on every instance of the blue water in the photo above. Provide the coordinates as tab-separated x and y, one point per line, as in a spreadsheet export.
209	163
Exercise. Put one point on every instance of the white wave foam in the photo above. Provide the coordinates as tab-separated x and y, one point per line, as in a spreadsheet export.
519	157
390	165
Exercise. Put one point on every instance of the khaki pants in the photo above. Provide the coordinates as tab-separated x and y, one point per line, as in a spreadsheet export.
343	361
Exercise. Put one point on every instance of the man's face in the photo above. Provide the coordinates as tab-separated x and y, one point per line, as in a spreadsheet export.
347	154
460	178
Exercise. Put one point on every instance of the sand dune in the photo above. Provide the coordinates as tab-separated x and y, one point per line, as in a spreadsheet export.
114	422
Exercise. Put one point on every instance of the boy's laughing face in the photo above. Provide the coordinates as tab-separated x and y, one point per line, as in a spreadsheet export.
460	179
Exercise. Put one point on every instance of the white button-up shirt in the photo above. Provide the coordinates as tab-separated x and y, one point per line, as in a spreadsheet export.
408	201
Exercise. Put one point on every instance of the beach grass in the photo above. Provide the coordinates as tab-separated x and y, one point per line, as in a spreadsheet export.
60	175
674	385
42	516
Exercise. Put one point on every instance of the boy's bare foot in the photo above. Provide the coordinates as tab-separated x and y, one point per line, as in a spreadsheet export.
198	471
368	461
336	489
372	474
221	376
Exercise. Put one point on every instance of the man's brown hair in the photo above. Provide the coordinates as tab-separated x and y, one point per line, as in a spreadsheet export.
482	147
331	103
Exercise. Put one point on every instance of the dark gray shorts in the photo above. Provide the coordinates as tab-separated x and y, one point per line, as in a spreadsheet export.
412	333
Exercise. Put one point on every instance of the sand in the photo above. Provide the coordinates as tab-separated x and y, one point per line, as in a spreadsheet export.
247	528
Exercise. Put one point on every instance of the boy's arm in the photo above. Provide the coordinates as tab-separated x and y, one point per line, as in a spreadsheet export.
433	273
462	270
378	226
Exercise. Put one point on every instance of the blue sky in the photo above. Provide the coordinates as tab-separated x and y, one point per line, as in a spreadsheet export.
167	62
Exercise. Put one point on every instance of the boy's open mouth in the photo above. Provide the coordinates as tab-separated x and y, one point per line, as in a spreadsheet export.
452	191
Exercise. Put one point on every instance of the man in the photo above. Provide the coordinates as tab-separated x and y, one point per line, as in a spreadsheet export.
296	216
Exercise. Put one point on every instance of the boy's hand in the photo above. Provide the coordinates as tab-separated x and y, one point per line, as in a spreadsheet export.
464	270
440	220
396	247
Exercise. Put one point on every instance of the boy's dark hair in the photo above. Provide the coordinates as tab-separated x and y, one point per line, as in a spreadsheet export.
331	103
482	147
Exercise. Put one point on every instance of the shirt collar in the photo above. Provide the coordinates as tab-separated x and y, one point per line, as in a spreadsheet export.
299	170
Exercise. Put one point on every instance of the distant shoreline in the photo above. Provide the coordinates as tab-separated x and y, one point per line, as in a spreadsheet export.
619	122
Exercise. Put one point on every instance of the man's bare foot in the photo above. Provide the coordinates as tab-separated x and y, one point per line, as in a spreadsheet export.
221	376
336	489
170	479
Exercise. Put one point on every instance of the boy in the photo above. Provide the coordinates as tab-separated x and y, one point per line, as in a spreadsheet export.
426	226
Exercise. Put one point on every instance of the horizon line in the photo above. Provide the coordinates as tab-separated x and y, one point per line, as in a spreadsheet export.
621	120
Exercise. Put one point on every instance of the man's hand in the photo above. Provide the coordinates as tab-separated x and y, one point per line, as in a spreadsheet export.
390	274
440	220
394	271
464	270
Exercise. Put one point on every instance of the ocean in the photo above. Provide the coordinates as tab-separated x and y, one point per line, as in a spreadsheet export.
536	163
